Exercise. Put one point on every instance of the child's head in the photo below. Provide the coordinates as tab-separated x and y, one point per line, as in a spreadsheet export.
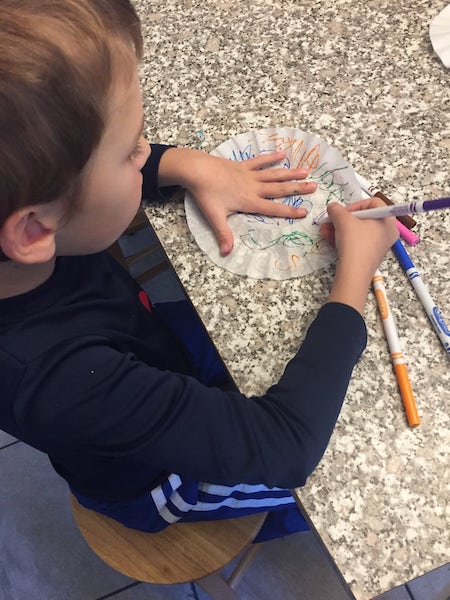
60	62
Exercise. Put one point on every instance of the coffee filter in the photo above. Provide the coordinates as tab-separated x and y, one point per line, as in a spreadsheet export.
274	247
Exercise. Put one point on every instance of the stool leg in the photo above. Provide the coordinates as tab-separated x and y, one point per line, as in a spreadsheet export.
216	587
242	565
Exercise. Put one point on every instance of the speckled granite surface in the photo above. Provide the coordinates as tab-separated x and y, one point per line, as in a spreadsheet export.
363	76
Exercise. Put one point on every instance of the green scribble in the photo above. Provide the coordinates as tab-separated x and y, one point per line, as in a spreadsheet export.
326	181
293	239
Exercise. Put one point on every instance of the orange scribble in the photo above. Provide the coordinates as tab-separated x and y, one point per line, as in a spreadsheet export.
319	246
294	258
298	156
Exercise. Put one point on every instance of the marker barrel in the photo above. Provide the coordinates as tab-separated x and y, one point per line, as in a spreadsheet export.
390	331
406	220
407	394
423	295
372	190
409	236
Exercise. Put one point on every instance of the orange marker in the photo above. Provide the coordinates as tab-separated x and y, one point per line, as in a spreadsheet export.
398	360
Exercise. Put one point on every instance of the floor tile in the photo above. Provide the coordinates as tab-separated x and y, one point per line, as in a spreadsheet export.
292	568
146	591
432	586
398	593
5	439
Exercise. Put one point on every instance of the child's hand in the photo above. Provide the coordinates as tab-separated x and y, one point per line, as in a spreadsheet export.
222	187
361	245
364	240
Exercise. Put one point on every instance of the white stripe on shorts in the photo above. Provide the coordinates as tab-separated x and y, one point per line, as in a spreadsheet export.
224	490
158	496
240	503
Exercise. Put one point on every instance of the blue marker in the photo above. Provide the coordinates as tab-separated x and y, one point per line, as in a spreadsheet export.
423	294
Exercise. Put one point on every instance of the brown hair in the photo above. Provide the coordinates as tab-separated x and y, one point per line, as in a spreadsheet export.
58	63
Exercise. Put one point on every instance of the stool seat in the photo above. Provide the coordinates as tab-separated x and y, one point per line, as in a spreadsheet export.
183	552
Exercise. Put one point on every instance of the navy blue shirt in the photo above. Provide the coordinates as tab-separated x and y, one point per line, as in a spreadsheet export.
92	378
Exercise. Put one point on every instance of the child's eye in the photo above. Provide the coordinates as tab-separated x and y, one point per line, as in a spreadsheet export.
138	150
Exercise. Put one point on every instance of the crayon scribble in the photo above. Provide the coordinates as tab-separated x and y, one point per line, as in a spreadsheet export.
293	262
326	181
293	239
244	154
299	157
295	201
329	182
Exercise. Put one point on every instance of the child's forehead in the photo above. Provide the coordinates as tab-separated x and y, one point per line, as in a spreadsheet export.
124	118
125	88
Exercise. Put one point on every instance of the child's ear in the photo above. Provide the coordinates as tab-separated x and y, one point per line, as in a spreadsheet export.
28	235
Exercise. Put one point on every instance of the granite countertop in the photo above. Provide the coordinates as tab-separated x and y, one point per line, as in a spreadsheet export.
363	76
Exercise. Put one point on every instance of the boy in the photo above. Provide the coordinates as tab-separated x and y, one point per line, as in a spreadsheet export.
89	375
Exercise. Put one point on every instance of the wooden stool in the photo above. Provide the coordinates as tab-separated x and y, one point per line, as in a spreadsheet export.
184	552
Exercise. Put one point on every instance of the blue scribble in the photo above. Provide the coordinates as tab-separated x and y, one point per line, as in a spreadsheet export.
295	201
244	154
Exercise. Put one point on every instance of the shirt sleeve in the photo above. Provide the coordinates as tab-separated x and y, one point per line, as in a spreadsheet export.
150	187
173	421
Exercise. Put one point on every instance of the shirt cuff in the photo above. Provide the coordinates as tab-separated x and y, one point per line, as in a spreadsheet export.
150	188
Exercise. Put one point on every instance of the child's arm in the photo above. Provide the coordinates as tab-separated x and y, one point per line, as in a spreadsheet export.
222	187
361	247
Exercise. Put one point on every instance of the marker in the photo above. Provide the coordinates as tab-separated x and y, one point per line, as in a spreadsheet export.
397	358
423	294
372	190
404	232
394	211
408	235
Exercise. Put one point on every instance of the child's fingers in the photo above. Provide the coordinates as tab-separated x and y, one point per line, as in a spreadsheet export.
261	162
281	174
327	232
363	204
337	212
276	209
264	160
225	239
222	232
289	188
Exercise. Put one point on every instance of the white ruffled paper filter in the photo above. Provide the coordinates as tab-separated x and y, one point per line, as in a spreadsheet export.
274	247
440	35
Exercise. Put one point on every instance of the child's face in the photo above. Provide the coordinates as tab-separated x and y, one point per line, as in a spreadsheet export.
112	188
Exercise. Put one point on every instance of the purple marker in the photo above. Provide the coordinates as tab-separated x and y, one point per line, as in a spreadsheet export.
394	210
